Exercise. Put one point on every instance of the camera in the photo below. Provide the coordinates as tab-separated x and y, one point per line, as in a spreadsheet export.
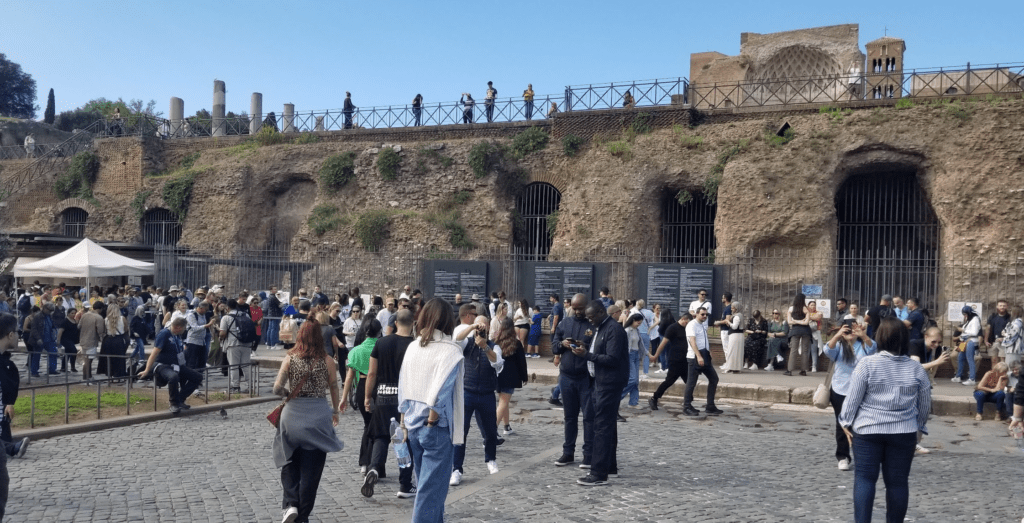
946	349
848	322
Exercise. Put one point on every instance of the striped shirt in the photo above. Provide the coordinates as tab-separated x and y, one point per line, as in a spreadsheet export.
888	395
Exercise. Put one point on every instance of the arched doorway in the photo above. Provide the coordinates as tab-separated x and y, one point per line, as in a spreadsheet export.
887	240
687	227
160	227
533	237
72	222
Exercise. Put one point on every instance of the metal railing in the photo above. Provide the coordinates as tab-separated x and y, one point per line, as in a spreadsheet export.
51	160
664	91
251	372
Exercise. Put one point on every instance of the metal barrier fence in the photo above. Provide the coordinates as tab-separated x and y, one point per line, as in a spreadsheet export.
54	158
251	372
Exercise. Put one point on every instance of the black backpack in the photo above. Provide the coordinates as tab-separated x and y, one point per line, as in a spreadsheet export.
25	305
246	329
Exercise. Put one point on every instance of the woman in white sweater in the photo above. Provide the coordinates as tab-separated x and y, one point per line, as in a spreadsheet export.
734	360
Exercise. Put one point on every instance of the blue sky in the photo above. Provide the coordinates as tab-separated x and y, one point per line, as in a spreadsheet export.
384	51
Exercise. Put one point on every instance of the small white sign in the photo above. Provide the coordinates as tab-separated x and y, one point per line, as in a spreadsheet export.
824	306
135	280
953	313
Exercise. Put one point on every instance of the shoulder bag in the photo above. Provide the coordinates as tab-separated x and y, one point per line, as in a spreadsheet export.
275	415
823	393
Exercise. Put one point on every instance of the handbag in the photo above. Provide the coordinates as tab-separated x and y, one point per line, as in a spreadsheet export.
274	417
962	346
823	393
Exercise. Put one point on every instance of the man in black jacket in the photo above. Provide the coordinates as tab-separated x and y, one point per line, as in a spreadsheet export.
9	382
574	381
607	359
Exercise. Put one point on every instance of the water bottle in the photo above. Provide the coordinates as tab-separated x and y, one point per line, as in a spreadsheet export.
1018	436
398	440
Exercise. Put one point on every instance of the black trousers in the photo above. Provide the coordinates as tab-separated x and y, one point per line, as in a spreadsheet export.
366	443
842	444
708	370
70	351
379	456
676	370
300	478
605	405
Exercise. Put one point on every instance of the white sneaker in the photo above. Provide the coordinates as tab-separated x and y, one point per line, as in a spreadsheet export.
289	515
455	479
724	366
779	358
968	382
955	379
814	369
844	464
921	450
769	367
492	467
507	430
643	377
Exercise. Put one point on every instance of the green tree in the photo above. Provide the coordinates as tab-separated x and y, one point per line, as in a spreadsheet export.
17	91
50	114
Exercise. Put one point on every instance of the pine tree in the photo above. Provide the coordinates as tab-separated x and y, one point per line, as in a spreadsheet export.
50	114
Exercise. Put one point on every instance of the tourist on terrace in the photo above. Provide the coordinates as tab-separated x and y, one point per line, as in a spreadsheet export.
467	112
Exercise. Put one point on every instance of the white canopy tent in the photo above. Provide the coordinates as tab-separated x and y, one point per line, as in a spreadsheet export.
86	260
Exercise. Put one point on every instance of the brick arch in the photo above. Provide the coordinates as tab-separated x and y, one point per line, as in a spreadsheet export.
75	202
558	180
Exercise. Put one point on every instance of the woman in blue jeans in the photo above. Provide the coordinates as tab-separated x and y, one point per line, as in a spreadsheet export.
430	398
886	406
633	336
969	332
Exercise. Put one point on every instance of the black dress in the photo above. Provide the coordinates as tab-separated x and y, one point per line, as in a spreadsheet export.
756	344
515	373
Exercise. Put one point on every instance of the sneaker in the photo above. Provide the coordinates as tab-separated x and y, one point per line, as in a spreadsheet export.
290	514
644	377
779	358
844	464
977	417
591	480
803	373
492	467
690	411
184	406
564	460
787	373
619	418
508	430
653	403
500	441
555	401
406	492
968	382
585	465
368	482
956	379
921	450
455	479
22	447
713	411
814	368
174	408
770	368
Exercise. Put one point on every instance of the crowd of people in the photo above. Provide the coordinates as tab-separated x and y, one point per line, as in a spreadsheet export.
471	356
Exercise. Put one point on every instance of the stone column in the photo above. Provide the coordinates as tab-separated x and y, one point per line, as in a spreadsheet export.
177	114
255	113
218	108
287	119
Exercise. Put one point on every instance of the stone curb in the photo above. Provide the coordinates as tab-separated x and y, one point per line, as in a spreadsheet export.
941	405
136	419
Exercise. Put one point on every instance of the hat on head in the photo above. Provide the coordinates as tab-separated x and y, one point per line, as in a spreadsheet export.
174	288
967	309
475	297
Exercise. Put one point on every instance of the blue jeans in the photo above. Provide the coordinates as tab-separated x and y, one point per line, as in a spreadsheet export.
633	385
273	330
485	408
51	358
645	349
998	397
575	398
432	453
556	391
180	384
140	350
894	453
966	359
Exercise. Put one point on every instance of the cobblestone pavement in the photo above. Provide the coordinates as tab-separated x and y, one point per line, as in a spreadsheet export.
755	463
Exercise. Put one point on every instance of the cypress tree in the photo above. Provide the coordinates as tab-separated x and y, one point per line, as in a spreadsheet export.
50	114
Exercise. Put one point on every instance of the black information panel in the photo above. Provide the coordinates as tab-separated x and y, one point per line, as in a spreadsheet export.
675	286
563	280
457	277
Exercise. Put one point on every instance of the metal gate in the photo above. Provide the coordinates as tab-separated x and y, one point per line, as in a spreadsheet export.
887	240
538	201
73	221
160	227
687	229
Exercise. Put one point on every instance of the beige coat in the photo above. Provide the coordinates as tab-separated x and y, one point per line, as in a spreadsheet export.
91	329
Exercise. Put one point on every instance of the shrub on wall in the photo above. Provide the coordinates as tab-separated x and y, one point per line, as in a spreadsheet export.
571	144
177	193
528	141
388	162
372	229
268	135
77	179
484	157
338	170
324	218
138	204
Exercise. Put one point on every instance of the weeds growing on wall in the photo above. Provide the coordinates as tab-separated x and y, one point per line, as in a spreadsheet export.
485	157
834	113
338	170
269	136
684	197
138	204
426	154
307	138
714	178
904	103
776	141
323	218
697	117
620	149
528	141
571	144
177	192
388	162
76	181
960	113
552	220
690	141
190	160
372	229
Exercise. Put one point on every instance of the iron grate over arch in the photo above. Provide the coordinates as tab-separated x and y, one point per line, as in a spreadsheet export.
160	227
887	240
687	229
73	221
536	203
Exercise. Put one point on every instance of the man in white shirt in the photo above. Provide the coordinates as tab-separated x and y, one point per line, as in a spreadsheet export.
701	301
384	316
406	291
698	355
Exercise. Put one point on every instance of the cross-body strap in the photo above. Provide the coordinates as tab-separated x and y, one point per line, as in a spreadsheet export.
296	390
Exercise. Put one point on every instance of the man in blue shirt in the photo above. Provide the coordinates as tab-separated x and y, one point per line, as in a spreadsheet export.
168	361
914	319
